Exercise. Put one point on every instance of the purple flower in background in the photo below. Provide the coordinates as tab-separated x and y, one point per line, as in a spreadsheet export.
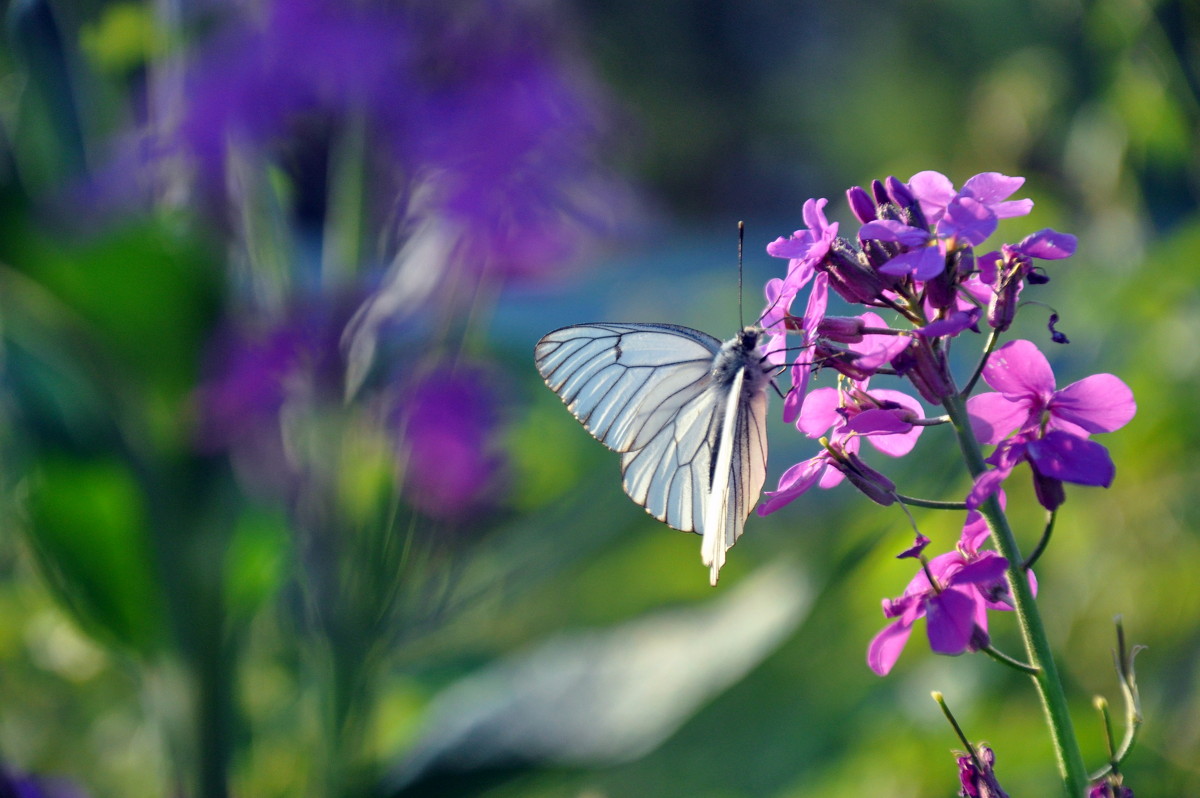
251	377
447	424
23	785
469	122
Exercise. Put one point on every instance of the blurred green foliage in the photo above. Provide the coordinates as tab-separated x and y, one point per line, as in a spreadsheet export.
158	618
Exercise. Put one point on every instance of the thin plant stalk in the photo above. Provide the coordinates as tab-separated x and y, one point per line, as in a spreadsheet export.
1049	685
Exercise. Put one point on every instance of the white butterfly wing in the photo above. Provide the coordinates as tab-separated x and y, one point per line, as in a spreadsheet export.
739	472
648	391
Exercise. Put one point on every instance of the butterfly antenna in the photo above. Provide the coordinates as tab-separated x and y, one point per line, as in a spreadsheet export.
741	239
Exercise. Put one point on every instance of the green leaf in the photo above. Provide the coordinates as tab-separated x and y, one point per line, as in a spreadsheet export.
90	536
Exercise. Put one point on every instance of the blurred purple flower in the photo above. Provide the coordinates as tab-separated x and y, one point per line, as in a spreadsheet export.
23	785
448	420
248	377
470	116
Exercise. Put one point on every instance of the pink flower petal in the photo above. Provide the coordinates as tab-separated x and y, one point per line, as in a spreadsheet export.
950	621
1020	369
1099	403
891	230
994	416
795	481
820	412
968	219
934	191
985	485
1048	245
885	649
1065	457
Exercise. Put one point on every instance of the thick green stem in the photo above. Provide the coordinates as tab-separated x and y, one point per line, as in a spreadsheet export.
1037	646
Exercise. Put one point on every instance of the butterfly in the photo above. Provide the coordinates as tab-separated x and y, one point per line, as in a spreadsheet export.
686	412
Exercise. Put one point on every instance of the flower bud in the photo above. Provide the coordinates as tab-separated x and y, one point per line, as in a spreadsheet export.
979	780
842	329
853	280
880	192
874	485
926	368
840	360
861	204
904	199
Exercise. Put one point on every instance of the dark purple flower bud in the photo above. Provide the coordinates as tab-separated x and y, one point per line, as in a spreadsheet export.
880	192
976	776
853	280
861	204
941	290
874	485
1056	336
963	262
927	369
914	551
979	638
1002	308
842	329
879	252
841	361
1050	492
904	199
899	193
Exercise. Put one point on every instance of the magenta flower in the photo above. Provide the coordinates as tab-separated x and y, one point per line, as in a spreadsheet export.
883	416
778	322
805	248
1026	400
954	218
1005	272
925	255
1052	426
989	190
954	606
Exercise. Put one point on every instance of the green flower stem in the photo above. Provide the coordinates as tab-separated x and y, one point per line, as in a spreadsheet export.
1049	685
1005	659
913	501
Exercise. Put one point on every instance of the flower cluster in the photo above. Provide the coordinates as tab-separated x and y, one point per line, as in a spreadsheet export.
917	258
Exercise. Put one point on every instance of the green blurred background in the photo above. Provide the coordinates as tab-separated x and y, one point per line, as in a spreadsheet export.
288	512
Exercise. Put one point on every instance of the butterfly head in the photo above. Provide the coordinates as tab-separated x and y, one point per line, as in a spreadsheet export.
749	337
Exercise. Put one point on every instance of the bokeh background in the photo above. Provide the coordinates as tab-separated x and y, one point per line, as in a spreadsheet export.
288	512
